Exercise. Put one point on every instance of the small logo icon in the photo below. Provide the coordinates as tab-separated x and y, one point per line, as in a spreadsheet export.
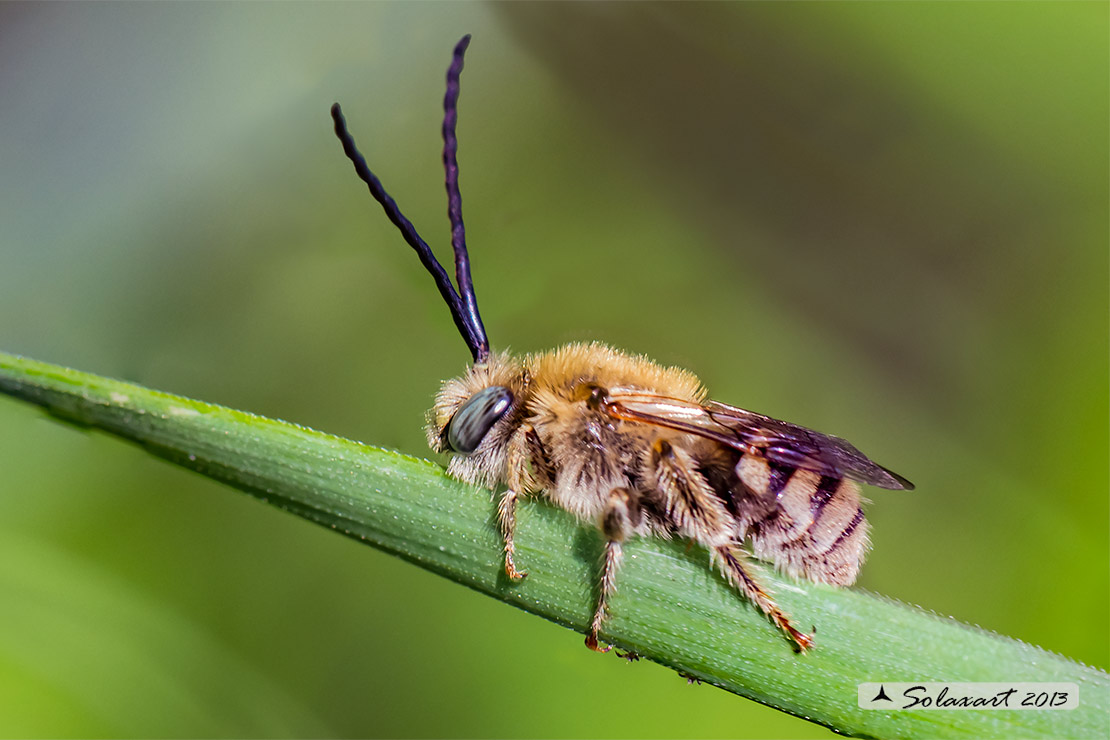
882	694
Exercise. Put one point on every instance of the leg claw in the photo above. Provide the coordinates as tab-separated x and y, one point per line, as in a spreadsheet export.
802	641
592	644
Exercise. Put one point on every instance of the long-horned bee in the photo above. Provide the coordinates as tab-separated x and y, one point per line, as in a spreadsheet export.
632	447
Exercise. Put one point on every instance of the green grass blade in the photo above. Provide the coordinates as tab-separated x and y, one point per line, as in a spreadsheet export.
670	606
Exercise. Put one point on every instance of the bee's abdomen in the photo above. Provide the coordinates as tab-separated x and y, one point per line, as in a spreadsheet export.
808	524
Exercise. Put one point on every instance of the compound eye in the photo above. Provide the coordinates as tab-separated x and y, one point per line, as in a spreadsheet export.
476	417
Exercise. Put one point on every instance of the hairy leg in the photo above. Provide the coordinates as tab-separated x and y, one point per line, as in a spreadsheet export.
506	519
731	561
617	522
693	508
529	470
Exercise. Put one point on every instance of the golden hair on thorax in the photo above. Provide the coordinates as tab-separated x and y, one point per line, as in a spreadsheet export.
632	447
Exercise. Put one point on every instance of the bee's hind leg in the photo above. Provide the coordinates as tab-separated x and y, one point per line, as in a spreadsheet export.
617	521
731	562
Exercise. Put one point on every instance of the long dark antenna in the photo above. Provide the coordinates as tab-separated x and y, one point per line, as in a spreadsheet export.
464	310
454	198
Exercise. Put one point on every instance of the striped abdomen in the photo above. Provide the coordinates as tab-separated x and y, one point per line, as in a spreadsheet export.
807	524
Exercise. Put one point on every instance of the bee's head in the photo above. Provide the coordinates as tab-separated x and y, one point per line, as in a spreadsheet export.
475	416
469	407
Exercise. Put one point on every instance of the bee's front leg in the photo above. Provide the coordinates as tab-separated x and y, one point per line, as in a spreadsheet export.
520	479
506	518
617	521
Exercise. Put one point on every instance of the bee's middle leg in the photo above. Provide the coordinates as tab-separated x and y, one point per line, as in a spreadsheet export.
617	522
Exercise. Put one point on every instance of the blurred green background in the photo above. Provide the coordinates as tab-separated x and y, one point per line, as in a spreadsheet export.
885	221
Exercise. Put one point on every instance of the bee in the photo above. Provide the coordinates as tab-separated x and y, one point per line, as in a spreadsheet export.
632	447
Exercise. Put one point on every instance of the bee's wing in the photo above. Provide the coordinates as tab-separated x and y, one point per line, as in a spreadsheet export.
755	434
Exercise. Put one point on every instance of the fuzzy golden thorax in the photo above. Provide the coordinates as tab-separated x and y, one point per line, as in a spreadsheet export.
590	453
